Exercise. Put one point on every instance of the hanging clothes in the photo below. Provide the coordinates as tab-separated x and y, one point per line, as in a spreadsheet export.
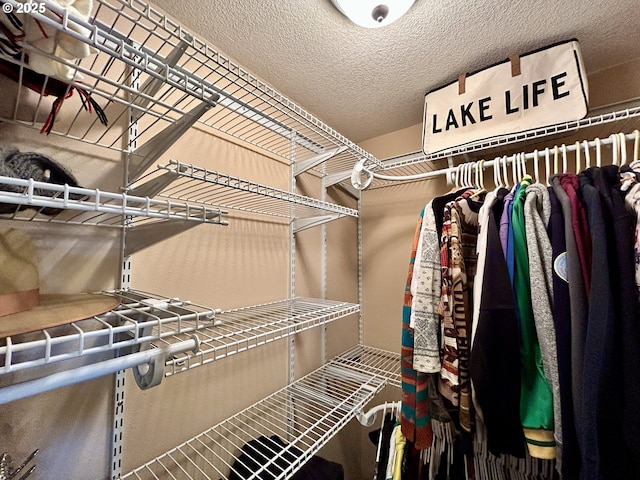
578	305
426	355
382	439
630	180
569	462
427	287
537	212
619	224
415	419
536	400
495	355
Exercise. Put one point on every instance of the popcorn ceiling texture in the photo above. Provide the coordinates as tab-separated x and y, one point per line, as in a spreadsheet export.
367	82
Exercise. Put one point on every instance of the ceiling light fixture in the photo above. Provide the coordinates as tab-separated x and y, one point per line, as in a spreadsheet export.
373	13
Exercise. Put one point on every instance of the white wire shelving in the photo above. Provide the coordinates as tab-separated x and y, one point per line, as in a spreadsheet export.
28	200
244	328
178	72
374	361
200	186
141	317
152	321
322	403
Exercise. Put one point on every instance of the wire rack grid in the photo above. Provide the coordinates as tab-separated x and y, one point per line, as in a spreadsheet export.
177	71
200	186
28	200
141	317
244	328
322	401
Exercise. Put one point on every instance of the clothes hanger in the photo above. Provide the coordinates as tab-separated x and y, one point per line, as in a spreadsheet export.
523	165
623	148
578	160
587	155
555	159
504	172
564	158
536	171
497	180
514	169
479	179
467	176
547	165
614	146
471	176
598	152
636	146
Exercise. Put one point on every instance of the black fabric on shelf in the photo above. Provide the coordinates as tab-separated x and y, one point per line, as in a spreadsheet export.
260	452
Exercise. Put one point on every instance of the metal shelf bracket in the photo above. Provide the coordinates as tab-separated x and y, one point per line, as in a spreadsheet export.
154	186
153	84
300	224
143	157
142	236
309	163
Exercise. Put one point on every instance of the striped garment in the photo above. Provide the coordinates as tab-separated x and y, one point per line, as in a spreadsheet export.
415	417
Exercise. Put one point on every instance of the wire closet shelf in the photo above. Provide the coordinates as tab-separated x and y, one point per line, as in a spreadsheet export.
209	188
322	403
154	321
28	200
177	72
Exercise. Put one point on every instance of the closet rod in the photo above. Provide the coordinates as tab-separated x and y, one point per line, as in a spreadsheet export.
359	168
155	358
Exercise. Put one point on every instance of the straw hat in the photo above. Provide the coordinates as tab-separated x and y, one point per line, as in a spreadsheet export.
22	308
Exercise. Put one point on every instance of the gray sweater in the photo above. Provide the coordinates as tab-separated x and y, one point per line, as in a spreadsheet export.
537	210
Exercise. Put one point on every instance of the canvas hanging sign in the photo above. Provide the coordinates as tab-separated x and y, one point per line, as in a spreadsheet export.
541	88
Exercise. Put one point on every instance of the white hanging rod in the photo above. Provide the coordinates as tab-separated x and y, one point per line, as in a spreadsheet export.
154	358
359	169
368	419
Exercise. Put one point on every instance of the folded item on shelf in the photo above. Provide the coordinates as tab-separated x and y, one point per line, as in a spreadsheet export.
25	165
267	451
49	42
44	56
23	308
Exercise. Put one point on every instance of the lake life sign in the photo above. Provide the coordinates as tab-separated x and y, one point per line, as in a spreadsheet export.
540	88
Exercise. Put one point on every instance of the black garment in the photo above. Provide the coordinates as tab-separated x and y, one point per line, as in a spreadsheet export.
495	355
570	460
374	436
619	456
600	379
261	451
578	307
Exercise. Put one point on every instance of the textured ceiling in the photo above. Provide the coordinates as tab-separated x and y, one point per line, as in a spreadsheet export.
367	82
